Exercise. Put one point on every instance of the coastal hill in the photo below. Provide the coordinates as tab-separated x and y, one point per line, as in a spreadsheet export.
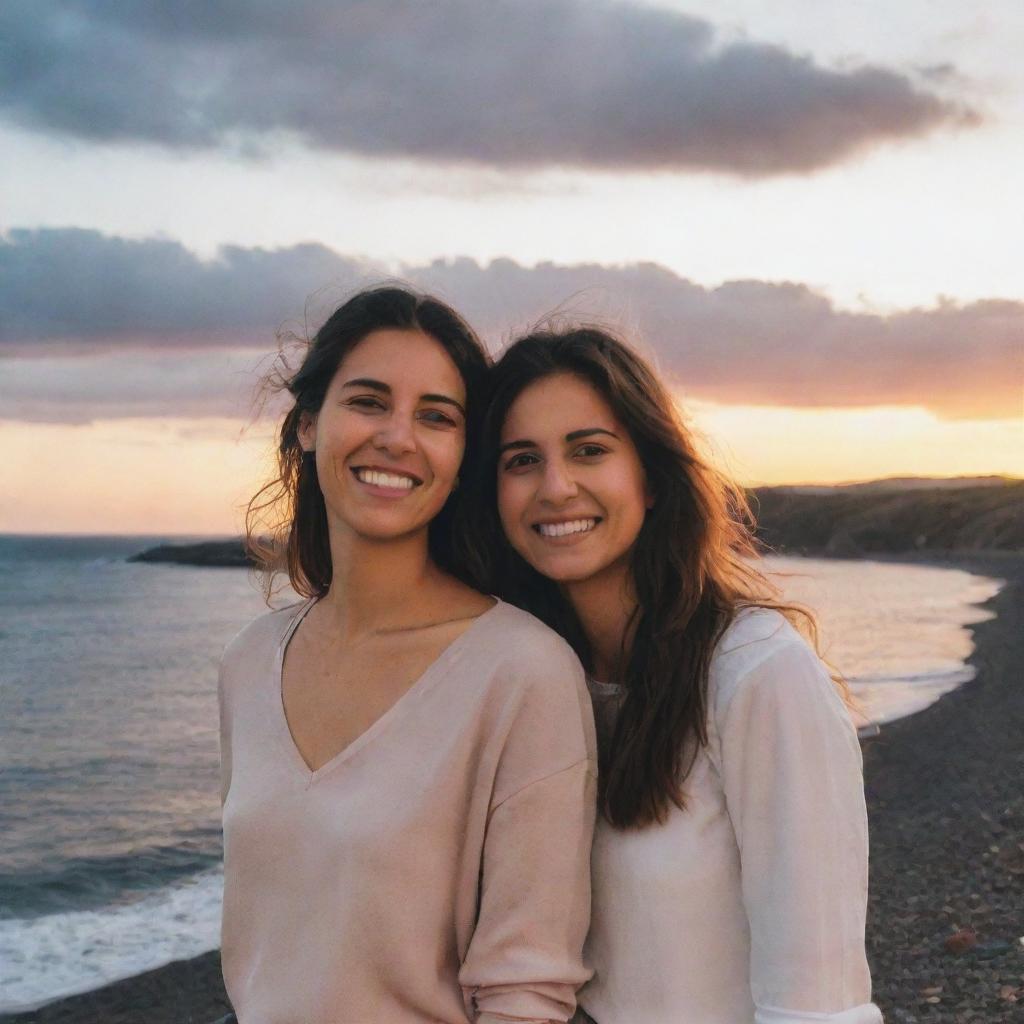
890	517
893	517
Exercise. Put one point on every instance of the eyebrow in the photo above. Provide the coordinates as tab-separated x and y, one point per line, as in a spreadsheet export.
385	389
574	435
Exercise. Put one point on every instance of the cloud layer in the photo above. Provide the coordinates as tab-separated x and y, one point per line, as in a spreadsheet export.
508	83
93	326
75	284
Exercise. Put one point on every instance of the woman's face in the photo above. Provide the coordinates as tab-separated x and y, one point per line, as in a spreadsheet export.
572	492
390	435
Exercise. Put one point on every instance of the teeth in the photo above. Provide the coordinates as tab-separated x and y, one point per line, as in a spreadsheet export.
564	529
372	476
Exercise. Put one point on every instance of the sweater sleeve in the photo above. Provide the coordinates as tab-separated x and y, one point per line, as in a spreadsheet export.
791	770
524	961
225	737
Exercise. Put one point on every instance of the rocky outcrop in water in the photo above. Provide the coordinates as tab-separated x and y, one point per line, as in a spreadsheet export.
229	554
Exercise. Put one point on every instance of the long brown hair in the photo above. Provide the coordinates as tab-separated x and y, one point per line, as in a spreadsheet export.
691	568
287	515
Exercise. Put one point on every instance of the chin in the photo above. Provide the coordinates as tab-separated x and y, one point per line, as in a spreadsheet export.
381	528
565	570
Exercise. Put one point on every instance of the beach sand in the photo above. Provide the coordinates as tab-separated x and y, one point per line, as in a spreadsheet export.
945	794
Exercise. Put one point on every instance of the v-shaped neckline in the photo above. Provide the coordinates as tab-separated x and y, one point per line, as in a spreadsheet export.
311	775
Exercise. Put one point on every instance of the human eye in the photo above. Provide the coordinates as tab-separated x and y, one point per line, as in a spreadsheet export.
590	450
521	461
365	402
437	417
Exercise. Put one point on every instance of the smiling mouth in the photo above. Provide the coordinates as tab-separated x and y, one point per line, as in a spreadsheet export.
569	528
380	478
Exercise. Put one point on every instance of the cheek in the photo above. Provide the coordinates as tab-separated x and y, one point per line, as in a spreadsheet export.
455	452
446	452
338	435
510	505
632	505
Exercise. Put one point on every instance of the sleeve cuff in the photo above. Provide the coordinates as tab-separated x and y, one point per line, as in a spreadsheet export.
866	1013
540	1003
499	1018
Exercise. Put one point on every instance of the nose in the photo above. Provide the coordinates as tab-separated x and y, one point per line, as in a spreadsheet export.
557	485
396	437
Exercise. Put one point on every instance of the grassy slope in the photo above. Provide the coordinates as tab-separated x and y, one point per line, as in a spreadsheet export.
856	522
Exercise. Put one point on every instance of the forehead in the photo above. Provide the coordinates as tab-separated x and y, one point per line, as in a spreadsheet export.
403	358
555	406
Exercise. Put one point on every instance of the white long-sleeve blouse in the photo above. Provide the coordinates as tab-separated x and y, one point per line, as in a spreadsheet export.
747	907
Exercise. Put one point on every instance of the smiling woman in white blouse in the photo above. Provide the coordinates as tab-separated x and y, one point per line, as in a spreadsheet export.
408	765
730	859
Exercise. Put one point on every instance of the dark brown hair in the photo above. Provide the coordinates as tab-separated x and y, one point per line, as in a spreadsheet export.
287	516
690	565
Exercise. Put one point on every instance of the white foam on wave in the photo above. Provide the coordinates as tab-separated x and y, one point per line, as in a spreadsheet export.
46	958
896	697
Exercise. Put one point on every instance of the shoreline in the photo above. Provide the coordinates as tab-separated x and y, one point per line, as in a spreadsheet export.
947	850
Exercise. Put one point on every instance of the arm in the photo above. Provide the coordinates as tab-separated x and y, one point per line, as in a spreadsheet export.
791	770
524	961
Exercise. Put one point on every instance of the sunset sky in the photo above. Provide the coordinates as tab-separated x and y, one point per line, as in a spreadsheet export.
809	213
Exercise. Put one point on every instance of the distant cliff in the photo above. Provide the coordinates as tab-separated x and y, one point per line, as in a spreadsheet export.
877	519
228	554
883	517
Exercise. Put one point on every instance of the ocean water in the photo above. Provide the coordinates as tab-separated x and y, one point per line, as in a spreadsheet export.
110	845
898	633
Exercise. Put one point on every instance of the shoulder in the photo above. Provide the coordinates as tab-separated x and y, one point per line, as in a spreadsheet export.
260	637
525	661
520	643
752	634
761	656
535	708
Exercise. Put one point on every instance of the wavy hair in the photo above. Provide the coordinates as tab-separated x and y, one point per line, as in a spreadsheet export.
691	566
286	520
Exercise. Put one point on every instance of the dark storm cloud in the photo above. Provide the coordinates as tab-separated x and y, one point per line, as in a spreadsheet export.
150	326
508	83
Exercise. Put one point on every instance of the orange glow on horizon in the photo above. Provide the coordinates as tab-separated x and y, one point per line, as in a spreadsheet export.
151	476
130	476
766	445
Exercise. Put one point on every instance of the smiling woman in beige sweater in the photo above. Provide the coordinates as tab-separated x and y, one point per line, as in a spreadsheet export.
408	765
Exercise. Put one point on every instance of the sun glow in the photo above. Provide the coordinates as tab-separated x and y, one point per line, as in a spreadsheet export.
152	476
130	476
780	445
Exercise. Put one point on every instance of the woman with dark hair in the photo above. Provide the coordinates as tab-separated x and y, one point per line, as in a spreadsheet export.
408	765
730	858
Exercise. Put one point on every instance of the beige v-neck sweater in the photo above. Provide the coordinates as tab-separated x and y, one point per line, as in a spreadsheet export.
437	869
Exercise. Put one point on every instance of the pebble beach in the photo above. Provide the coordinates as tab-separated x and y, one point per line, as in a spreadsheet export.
946	807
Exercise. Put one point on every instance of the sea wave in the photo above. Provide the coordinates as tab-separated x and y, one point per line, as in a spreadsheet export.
891	697
56	955
89	882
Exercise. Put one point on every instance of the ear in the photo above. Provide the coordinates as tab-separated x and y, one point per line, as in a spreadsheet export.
307	432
